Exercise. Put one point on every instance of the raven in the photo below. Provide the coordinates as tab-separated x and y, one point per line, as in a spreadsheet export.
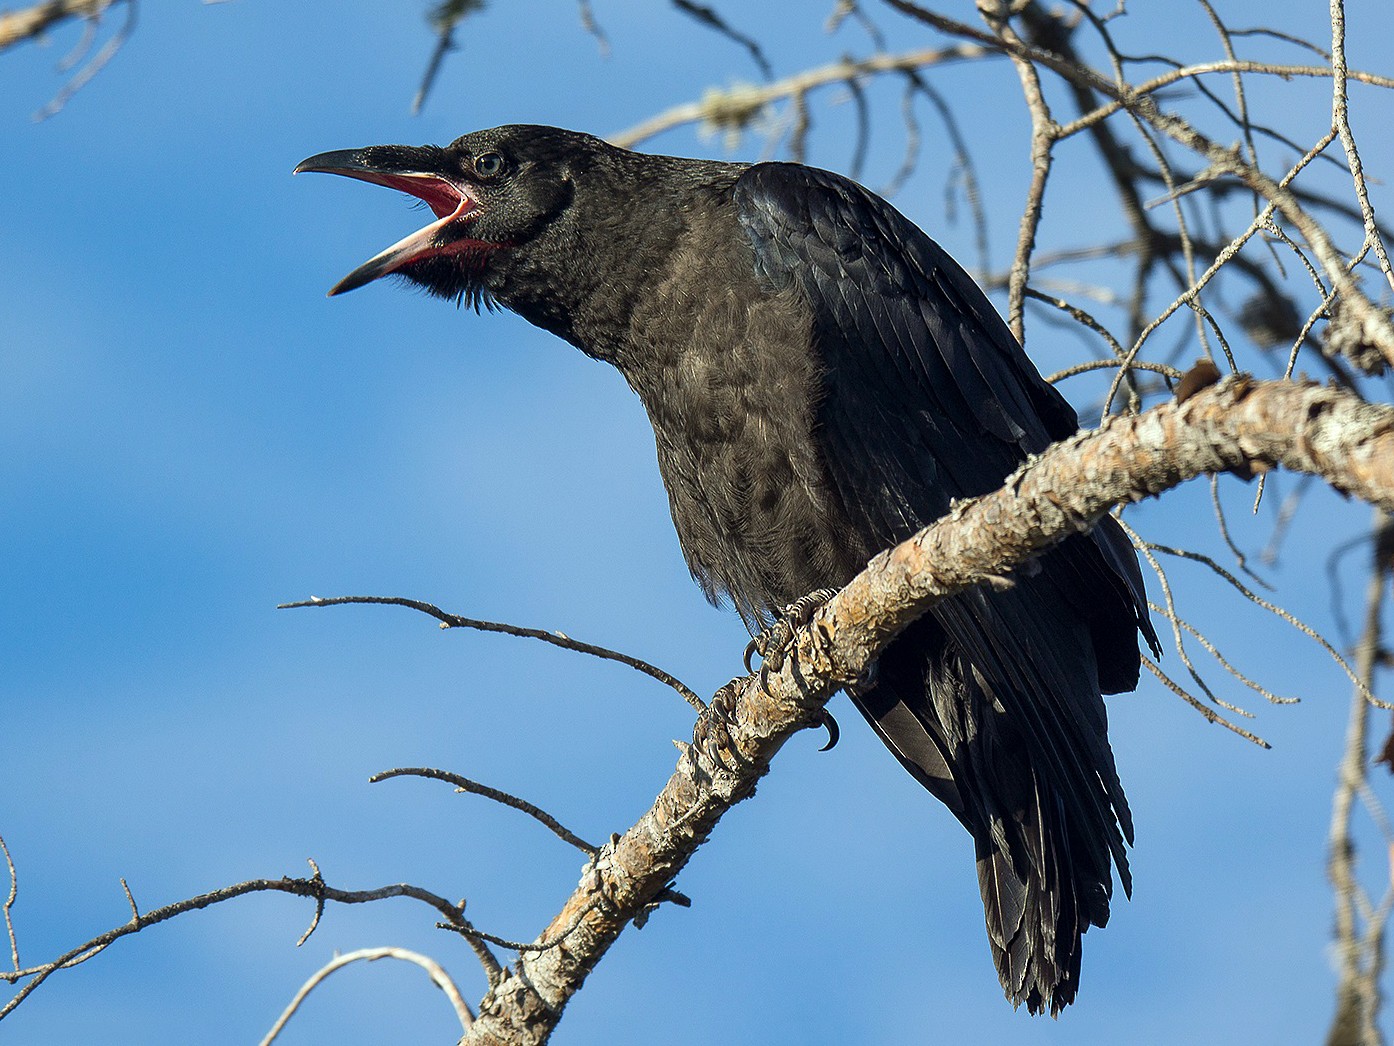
824	380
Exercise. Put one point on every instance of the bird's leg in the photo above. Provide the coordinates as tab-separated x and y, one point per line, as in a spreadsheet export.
773	644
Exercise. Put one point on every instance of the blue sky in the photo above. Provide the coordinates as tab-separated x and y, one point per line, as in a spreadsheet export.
192	434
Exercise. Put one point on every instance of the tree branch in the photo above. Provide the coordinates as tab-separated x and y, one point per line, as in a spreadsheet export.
555	638
1238	425
439	977
314	888
19	26
1359	954
738	105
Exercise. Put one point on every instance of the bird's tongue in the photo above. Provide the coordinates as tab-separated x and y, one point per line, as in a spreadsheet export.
449	205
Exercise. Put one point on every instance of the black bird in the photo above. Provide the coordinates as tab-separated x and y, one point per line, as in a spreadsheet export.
823	380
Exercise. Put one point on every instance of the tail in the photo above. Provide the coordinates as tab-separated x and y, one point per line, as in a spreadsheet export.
993	703
1041	892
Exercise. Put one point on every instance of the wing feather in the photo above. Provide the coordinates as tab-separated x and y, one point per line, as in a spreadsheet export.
994	702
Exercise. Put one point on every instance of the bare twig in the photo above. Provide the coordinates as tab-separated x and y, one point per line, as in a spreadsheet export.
739	105
554	638
1043	138
1200	706
1340	119
1359	329
445	43
313	888
135	911
591	26
96	65
1278	612
444	18
964	171
1177	624
464	784
1222	524
708	16
1360	955
10	903
439	977
522	947
1170	373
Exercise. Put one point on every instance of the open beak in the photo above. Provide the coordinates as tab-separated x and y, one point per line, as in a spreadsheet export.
407	169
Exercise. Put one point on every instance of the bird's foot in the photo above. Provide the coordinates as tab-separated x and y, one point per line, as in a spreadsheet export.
712	734
773	646
773	643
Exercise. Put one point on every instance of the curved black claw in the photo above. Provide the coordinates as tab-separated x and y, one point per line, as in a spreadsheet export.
828	723
751	649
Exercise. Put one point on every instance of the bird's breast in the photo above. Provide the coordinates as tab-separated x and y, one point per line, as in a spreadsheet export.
731	382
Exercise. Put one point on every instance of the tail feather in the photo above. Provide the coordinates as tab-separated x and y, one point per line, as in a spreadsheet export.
1005	903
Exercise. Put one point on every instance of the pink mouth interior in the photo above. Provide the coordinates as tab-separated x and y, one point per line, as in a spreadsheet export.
441	196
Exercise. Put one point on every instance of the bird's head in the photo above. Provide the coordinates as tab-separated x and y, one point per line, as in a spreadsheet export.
495	193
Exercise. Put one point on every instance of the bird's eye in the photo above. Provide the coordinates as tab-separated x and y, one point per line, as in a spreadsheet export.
488	165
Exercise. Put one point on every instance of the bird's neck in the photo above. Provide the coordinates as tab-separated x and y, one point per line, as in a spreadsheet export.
623	243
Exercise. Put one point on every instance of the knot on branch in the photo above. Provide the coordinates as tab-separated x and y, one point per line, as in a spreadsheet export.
1359	335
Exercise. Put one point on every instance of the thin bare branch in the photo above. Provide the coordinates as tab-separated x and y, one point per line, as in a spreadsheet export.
591	26
1221	260
708	17
1360	955
314	888
1043	138
439	977
1359	329
862	141
1200	706
1340	118
464	784
1222	523
1168	611
559	639
445	43
8	907
1279	612
130	899
444	17
740	104
963	171
96	65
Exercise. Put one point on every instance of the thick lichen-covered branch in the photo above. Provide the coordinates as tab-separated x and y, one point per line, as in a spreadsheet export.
1239	425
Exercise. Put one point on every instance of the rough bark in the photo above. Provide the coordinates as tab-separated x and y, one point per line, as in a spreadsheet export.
1239	425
